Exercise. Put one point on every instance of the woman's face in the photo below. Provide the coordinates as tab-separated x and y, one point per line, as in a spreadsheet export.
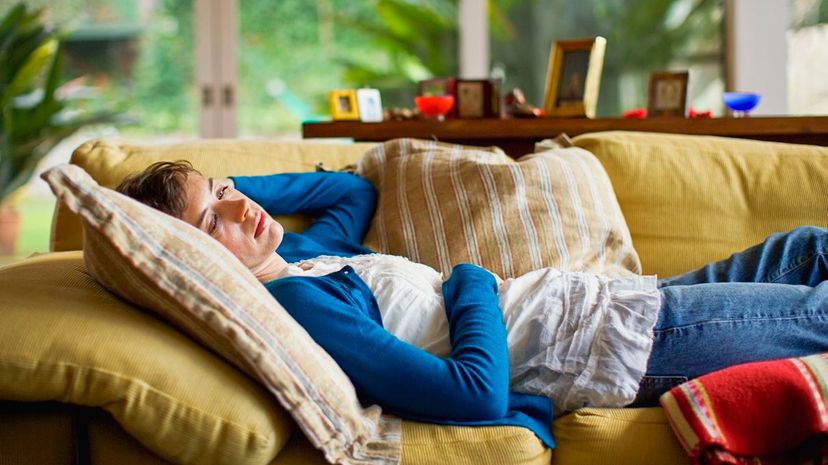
230	217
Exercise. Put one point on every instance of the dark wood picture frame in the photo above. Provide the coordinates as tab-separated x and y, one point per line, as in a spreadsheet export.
667	94
436	86
573	77
477	98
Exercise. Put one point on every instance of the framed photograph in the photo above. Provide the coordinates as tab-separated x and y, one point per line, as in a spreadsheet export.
370	105
343	104
573	77
496	104
667	95
471	99
478	98
436	86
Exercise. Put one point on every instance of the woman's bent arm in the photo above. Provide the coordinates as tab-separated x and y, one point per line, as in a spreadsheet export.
342	203
470	385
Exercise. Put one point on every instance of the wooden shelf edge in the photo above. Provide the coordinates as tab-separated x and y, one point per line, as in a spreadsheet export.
518	136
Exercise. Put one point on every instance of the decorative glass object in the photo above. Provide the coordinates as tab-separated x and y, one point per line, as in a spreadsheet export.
741	102
434	106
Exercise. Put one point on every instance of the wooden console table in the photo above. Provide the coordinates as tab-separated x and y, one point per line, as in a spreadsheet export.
518	136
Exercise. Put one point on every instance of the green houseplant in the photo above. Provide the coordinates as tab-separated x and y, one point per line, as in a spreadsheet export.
34	114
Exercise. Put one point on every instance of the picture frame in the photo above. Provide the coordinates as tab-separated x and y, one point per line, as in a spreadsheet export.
477	98
343	104
436	86
667	94
573	77
439	86
369	103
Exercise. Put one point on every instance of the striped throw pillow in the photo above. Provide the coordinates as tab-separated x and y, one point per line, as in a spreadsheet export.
161	263
442	204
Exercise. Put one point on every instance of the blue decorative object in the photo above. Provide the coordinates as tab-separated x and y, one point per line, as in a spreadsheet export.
741	102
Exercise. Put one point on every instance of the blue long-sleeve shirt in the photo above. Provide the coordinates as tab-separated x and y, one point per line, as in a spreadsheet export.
470	387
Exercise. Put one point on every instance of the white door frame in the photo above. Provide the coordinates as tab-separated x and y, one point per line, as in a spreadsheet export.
757	51
473	16
216	73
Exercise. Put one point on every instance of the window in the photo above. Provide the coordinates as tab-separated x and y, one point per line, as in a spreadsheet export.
807	52
292	52
285	73
126	54
642	37
139	55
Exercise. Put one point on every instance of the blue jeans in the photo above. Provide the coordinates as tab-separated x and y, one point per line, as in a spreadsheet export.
767	302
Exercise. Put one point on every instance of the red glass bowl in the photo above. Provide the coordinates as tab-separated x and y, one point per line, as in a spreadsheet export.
434	105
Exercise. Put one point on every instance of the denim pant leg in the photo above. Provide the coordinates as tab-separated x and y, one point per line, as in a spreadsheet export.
707	327
796	257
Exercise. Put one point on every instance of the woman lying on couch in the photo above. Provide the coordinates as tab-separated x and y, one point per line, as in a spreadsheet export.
437	350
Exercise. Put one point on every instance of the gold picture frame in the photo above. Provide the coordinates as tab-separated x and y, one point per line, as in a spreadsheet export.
343	103
573	77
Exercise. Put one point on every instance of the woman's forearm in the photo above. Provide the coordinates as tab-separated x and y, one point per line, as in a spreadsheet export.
342	203
470	385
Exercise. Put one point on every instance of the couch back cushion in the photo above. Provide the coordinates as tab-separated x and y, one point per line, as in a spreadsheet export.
167	266
109	161
689	200
442	204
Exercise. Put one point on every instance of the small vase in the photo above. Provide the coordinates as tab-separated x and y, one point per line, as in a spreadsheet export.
9	229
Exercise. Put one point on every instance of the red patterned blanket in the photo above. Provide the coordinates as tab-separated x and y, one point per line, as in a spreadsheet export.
765	413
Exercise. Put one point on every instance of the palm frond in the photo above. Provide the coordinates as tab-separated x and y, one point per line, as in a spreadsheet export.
33	117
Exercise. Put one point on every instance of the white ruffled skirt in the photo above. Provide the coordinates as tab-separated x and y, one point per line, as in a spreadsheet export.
578	338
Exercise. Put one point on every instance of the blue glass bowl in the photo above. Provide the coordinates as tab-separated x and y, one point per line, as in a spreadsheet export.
741	101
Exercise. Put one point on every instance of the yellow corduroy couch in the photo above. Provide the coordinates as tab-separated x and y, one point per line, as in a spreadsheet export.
87	378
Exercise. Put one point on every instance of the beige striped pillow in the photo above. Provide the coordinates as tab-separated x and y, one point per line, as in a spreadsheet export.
442	204
166	265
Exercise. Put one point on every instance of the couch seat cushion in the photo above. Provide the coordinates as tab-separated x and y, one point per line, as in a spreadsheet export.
588	436
430	444
631	436
63	337
422	444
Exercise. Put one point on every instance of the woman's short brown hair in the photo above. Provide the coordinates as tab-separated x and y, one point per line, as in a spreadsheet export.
161	186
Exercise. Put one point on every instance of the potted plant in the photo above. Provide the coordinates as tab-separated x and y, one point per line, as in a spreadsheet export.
34	114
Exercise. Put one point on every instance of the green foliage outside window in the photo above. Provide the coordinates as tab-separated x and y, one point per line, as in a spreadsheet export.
807	13
37	109
293	51
161	92
419	40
